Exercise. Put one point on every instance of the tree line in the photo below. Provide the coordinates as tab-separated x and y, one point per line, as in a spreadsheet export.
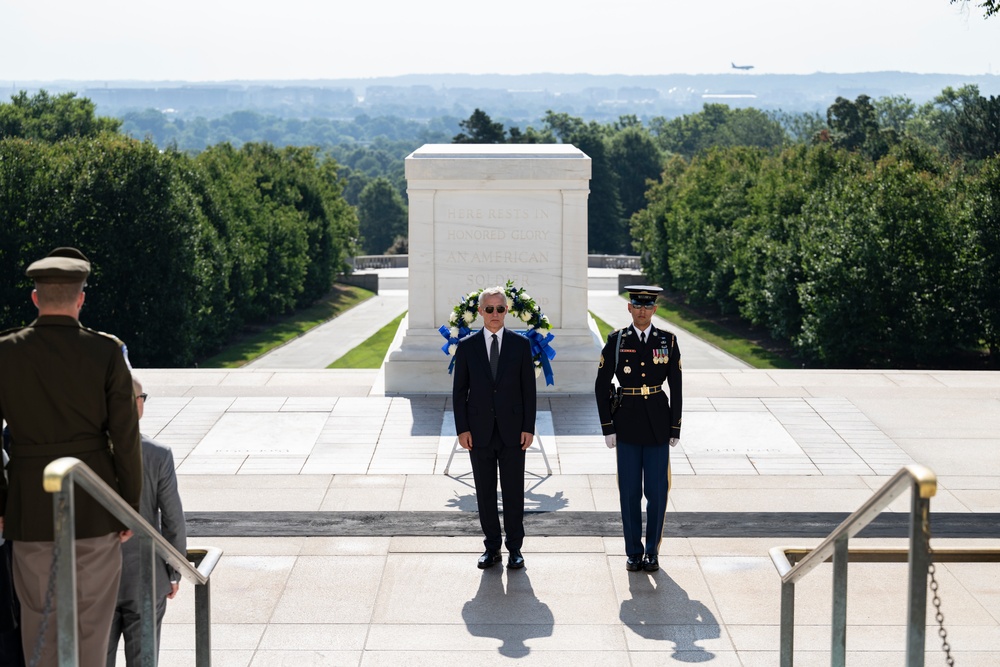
186	249
865	237
875	244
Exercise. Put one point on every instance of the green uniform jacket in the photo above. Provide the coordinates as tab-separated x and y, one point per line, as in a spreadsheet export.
641	420
65	391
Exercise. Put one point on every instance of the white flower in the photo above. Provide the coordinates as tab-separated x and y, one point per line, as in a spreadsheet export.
538	371
525	316
454	332
453	320
451	351
525	297
468	317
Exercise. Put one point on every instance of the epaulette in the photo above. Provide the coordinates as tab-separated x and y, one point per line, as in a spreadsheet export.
12	330
118	341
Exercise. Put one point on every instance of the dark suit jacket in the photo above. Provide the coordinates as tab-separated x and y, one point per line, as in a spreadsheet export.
65	391
478	399
160	505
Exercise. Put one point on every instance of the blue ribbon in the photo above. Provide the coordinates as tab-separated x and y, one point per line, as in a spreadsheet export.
541	351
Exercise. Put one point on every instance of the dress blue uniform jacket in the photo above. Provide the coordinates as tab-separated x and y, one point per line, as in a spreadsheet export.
650	419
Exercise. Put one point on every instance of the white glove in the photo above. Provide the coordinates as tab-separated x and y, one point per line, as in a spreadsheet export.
611	440
674	441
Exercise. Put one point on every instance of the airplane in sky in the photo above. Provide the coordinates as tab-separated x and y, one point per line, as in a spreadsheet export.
735	66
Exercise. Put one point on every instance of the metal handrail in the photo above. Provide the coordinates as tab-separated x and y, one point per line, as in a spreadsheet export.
923	484
59	479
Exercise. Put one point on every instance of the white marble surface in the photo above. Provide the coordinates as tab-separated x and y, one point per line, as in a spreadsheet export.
481	215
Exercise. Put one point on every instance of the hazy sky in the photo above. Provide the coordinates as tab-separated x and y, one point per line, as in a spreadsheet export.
210	40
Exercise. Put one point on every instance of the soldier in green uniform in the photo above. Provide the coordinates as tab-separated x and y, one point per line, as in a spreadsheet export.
646	423
65	390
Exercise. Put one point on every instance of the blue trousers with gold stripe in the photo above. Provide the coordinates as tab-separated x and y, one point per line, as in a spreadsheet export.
643	470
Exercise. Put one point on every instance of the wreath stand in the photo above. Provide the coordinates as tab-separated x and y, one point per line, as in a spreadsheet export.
455	447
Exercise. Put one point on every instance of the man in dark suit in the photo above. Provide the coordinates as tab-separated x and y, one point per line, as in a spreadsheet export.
647	363
494	401
161	506
65	390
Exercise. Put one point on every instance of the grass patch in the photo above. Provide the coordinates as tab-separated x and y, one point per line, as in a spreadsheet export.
603	327
370	353
262	338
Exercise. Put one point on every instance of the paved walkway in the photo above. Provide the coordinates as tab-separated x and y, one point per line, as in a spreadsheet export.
306	441
321	346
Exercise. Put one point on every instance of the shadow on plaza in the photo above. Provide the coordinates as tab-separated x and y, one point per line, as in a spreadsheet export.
512	615
533	502
661	610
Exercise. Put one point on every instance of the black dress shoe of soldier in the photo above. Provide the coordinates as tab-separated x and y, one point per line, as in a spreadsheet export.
489	559
515	561
634	563
651	563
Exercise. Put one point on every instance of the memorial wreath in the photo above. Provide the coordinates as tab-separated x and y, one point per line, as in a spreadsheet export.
522	307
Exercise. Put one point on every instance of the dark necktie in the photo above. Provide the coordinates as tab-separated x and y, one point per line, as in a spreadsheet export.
494	356
642	338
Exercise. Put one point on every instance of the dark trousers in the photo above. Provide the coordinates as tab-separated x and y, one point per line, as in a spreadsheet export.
510	462
643	470
128	622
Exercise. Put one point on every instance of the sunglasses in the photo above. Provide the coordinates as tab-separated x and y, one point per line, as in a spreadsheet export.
144	397
499	309
643	306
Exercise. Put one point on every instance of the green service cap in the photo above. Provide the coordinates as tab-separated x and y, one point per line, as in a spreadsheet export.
62	265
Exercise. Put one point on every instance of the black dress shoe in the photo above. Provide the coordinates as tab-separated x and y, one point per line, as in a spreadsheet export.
634	563
516	560
651	563
489	559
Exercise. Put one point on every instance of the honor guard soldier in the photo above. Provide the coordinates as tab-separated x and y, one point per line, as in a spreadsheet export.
642	418
65	390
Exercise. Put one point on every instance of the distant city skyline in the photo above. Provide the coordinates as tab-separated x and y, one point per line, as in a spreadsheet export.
208	40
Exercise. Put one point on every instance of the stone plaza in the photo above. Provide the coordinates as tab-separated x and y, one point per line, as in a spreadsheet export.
329	500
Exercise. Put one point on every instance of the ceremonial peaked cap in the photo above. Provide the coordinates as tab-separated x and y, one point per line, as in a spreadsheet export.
643	294
62	265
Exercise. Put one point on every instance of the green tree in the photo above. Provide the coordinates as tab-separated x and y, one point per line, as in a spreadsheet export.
716	125
47	118
635	158
983	213
854	126
382	216
881	259
479	128
992	7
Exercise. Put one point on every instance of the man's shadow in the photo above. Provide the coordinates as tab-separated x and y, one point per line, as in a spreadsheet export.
513	616
661	610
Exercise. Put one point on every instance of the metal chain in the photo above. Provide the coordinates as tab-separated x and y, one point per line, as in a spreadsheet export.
50	594
936	600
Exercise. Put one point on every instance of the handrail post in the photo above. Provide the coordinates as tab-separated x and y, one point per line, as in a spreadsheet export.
203	625
147	603
838	631
920	559
787	623
64	553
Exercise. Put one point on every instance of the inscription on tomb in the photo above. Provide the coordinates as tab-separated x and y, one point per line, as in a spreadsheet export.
487	238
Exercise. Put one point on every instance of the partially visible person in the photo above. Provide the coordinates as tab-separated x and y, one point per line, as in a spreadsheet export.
493	396
161	506
11	654
65	390
647	363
